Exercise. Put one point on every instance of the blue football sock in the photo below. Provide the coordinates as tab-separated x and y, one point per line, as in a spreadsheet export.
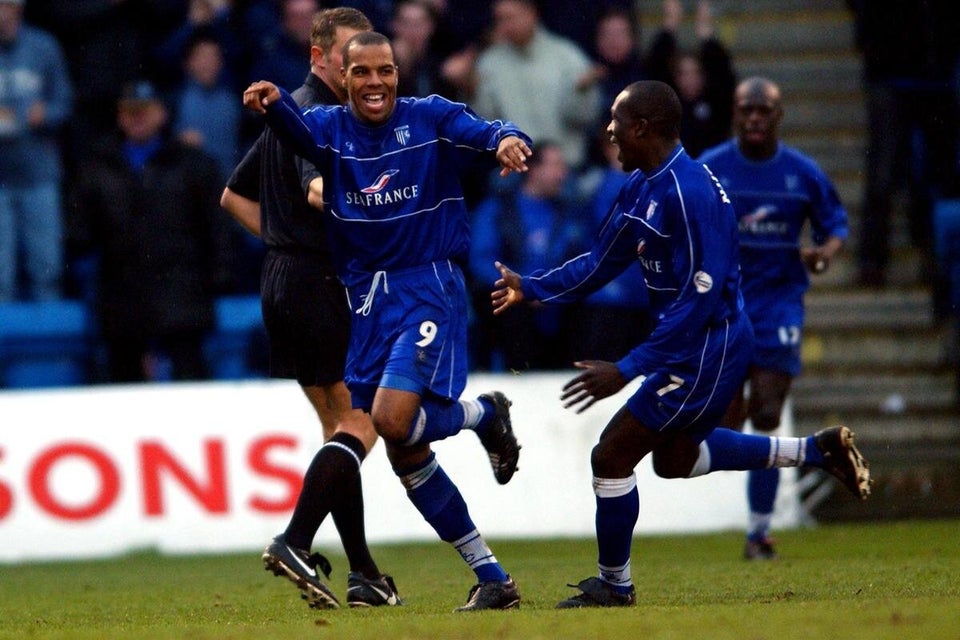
489	411
439	501
618	507
438	419
734	451
761	495
814	457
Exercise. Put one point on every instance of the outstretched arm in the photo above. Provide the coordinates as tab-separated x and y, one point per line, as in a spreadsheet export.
284	117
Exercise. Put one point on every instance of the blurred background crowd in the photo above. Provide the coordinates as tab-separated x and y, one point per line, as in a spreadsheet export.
120	121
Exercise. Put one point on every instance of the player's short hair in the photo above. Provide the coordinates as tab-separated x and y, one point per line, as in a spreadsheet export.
326	22
364	39
657	103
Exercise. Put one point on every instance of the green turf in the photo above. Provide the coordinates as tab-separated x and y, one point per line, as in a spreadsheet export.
869	581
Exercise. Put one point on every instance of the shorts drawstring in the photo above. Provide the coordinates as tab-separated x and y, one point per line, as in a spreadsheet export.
368	297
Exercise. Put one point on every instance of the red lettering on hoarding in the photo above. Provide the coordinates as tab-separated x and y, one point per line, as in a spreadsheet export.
258	459
156	461
40	474
6	497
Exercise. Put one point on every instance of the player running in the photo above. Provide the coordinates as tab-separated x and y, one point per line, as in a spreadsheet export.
399	230
672	216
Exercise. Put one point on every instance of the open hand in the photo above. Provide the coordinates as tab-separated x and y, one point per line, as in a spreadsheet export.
599	380
508	291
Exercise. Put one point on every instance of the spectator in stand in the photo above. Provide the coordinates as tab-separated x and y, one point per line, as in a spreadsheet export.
460	37
910	57
614	319
217	19
207	112
280	58
419	65
148	205
577	21
35	101
537	79
108	44
619	59
704	80
776	193
378	11
209	117
531	226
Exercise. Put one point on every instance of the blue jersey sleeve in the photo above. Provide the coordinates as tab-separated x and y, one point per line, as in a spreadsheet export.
829	218
613	251
470	132
291	128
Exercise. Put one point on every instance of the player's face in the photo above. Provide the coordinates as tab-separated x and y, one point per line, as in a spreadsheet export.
756	117
623	133
371	80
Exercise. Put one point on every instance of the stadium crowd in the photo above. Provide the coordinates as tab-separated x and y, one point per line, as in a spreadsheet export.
196	56
177	69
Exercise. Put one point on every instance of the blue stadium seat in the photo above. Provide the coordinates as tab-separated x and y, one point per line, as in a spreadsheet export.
231	349
45	344
946	229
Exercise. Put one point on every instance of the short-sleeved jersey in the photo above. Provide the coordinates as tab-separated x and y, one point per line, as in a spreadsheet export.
773	200
678	224
268	173
398	201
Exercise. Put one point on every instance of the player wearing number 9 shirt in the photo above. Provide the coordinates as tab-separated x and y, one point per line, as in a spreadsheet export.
399	231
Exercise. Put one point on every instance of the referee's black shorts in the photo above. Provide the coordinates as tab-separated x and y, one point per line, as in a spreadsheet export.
306	316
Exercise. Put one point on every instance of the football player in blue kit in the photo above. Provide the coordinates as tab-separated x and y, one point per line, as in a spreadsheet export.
673	216
399	231
307	323
775	191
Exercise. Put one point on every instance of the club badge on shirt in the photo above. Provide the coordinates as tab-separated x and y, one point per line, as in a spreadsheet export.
703	281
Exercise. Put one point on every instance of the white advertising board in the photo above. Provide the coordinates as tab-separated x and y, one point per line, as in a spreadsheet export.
212	467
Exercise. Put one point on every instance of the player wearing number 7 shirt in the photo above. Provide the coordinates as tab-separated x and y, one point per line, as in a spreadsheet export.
675	218
399	230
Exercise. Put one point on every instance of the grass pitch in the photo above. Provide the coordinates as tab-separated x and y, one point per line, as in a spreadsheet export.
869	581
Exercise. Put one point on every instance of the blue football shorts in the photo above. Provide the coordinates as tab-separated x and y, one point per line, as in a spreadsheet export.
409	332
779	331
691	393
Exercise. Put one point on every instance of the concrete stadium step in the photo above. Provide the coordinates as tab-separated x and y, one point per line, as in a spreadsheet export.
900	350
651	10
878	431
900	309
848	393
787	33
818	115
813	75
838	154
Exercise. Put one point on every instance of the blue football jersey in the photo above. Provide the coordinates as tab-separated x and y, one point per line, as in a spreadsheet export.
678	224
774	200
392	198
